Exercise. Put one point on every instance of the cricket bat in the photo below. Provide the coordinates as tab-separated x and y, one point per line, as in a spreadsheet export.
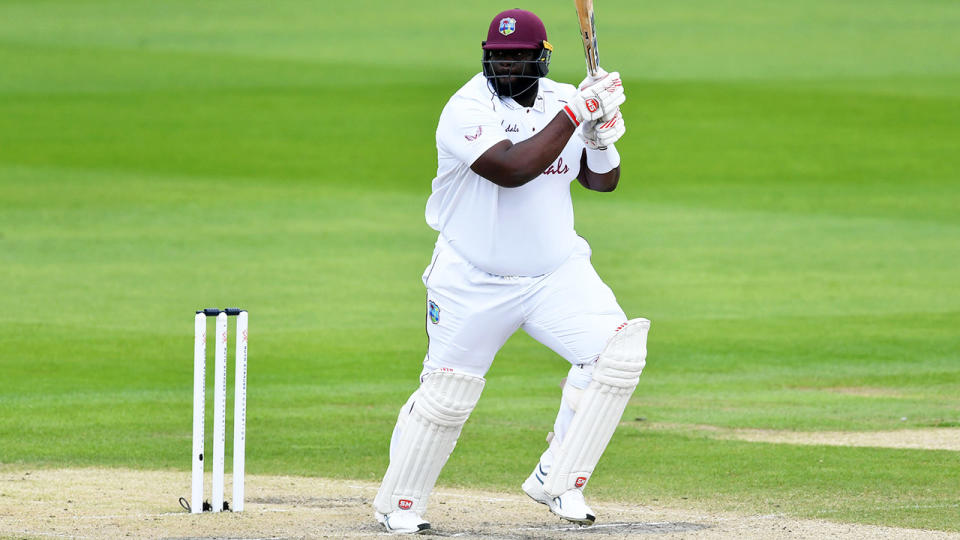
588	33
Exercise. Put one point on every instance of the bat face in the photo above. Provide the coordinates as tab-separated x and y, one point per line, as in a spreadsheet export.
588	32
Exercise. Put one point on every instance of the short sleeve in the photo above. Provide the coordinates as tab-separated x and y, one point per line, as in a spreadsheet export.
468	128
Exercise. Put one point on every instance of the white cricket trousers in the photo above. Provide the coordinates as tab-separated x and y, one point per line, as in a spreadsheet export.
470	315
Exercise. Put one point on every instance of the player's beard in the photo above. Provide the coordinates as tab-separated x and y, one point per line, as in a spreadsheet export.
516	87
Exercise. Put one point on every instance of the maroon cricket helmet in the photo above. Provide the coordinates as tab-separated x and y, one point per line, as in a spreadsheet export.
516	29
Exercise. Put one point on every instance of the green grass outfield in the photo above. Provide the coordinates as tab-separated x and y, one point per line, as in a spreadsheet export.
787	217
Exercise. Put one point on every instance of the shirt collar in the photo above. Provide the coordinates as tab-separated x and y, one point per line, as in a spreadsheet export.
539	104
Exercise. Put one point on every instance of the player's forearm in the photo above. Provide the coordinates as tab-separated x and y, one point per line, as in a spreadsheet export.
513	165
607	161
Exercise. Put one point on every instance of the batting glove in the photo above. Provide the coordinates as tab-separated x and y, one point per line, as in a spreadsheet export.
589	130
589	135
610	131
599	134
596	100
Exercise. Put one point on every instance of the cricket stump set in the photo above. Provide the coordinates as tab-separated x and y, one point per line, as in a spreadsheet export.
217	503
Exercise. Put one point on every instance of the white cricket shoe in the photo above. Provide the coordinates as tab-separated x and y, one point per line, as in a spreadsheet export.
402	522
569	505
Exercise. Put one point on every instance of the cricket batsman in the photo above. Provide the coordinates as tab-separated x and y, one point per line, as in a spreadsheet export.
509	144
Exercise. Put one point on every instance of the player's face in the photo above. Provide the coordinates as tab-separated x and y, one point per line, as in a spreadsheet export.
514	69
514	62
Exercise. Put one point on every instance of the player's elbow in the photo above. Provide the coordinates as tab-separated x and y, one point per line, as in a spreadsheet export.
606	182
513	180
608	187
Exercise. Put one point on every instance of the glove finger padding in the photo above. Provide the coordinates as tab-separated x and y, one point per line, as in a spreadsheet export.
588	132
610	131
597	100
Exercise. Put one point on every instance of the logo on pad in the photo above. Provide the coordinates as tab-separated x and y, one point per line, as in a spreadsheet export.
405	504
581	480
433	311
508	25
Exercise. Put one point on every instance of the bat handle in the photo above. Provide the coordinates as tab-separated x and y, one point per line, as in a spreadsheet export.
593	73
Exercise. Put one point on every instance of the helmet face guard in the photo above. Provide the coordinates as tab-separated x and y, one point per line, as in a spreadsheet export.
511	83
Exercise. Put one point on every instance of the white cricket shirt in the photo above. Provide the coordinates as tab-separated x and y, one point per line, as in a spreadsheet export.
522	231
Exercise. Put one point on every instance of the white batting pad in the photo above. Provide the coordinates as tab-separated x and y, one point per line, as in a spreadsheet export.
427	430
600	408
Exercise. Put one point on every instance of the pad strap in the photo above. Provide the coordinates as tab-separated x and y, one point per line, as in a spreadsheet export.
427	431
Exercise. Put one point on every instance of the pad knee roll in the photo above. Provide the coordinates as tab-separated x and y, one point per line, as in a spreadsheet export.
427	431
600	408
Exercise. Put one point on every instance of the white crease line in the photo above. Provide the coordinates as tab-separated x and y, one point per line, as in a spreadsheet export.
55	535
759	517
162	514
135	516
601	526
475	498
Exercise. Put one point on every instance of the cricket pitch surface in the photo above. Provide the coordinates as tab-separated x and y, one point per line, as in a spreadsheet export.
115	503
